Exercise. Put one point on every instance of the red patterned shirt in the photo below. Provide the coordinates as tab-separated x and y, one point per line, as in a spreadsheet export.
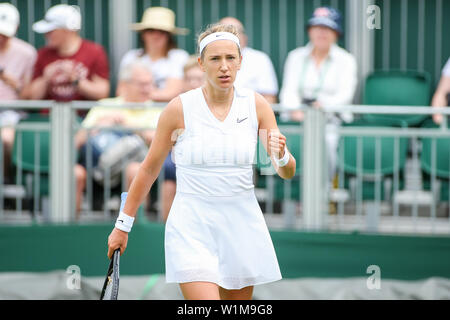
89	60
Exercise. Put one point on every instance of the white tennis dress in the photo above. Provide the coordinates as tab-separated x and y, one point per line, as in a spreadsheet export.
216	231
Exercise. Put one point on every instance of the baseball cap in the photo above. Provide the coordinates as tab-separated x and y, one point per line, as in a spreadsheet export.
9	19
328	17
61	16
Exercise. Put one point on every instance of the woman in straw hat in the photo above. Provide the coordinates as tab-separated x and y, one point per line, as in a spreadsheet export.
157	30
217	245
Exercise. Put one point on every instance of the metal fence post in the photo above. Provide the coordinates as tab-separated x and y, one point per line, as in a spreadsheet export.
122	13
360	39
314	170
61	165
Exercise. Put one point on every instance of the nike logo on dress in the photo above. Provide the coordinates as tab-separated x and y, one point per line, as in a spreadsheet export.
120	221
239	121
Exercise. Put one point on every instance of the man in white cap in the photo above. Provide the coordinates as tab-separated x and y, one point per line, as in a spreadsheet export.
68	67
16	67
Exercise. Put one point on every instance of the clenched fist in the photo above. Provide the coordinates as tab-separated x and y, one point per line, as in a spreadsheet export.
277	144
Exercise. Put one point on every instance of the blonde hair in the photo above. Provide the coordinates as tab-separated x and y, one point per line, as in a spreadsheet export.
217	27
192	62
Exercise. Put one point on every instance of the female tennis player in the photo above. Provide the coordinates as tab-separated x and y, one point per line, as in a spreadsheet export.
217	245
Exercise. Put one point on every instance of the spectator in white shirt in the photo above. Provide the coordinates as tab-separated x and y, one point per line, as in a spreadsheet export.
157	30
441	97
321	74
257	71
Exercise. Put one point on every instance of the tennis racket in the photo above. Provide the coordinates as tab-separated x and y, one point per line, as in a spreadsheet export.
110	289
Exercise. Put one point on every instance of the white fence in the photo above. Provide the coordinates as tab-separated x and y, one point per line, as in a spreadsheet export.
401	201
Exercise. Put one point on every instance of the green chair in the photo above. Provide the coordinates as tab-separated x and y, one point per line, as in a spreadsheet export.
375	161
441	163
397	88
27	143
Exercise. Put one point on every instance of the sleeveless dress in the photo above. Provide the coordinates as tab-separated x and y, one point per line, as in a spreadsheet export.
216	231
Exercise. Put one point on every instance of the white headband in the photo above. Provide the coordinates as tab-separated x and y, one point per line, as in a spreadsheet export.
218	36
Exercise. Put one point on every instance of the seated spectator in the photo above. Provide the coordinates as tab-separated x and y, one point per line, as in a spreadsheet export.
157	33
441	97
17	59
321	74
257	71
194	77
68	67
137	83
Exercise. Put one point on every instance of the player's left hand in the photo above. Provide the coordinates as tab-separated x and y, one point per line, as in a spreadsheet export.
277	144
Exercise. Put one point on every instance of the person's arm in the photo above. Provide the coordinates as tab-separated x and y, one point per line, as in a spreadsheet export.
37	89
440	97
273	141
95	89
170	120
172	88
98	86
28	75
10	81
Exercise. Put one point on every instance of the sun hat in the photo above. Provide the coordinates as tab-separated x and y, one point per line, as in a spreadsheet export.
9	19
159	18
328	17
61	16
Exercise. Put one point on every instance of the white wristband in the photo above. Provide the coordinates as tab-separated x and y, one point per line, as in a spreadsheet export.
283	161
124	222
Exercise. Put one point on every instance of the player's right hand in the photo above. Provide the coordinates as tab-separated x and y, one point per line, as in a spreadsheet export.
117	239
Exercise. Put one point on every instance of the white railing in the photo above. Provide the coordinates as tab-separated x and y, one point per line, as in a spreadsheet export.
313	201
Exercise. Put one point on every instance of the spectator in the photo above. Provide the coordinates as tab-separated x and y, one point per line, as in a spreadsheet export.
16	66
68	67
137	83
321	74
157	31
257	71
441	97
194	78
